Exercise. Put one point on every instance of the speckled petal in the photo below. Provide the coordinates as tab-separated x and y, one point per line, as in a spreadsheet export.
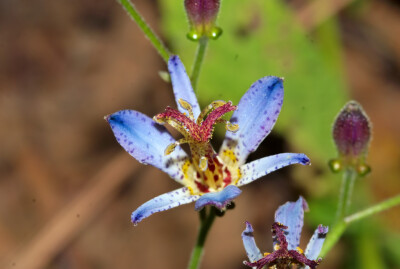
253	252
291	214
146	141
218	199
163	202
257	113
181	85
316	242
258	168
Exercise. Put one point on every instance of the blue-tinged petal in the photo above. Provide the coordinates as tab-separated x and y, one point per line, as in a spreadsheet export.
315	245
218	199
258	168
181	85
253	252
146	141
291	214
256	115
163	202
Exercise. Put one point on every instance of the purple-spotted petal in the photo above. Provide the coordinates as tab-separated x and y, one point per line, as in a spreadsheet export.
146	141
261	167
253	252
256	115
181	85
316	242
291	214
218	199
163	202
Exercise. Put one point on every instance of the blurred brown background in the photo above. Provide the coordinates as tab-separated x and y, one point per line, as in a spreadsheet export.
67	188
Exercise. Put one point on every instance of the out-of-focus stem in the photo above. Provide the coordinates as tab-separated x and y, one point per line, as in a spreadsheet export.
154	39
338	229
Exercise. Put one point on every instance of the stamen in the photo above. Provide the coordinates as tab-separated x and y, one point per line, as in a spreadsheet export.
185	105
171	147
232	127
203	163
228	125
299	250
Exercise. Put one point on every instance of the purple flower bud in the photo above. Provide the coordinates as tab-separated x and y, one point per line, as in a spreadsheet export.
202	15
352	134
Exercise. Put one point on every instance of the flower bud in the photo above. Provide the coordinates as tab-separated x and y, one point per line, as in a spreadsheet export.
202	15
352	134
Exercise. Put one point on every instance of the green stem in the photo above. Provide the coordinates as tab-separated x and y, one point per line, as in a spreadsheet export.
205	225
391	202
157	43
339	228
201	51
349	176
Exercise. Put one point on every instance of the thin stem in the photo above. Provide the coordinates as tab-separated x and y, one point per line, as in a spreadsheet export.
154	39
391	202
340	227
201	51
349	176
205	225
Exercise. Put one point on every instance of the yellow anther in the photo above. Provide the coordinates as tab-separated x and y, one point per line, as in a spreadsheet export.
217	103
203	163
277	247
232	127
266	253
299	250
185	105
170	148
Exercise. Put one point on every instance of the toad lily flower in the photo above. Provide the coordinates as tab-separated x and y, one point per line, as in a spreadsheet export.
208	178
286	232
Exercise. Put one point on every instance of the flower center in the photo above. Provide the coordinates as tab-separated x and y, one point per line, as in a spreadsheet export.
210	173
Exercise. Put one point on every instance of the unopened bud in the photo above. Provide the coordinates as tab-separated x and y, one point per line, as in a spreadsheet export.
202	15
352	134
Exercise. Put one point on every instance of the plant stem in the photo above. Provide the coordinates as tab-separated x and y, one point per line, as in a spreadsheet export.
154	39
339	228
201	51
349	176
205	225
391	202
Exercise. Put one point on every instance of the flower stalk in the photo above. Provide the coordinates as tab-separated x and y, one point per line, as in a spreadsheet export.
341	226
200	53
206	222
154	39
349	177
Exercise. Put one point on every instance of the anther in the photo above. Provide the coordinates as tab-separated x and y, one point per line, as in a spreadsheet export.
232	127
185	105
171	147
299	250
217	103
